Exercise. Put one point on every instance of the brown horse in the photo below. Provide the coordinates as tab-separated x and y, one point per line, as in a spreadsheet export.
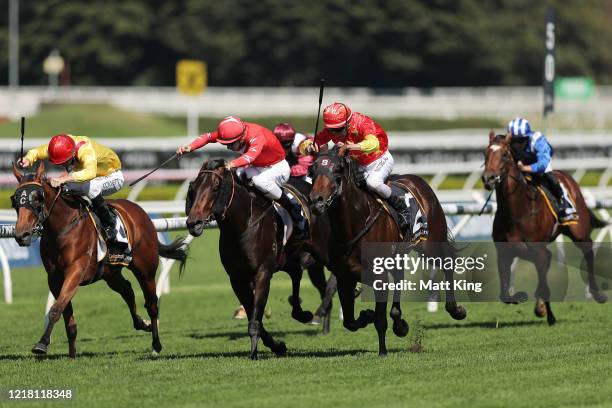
522	218
250	244
68	251
350	212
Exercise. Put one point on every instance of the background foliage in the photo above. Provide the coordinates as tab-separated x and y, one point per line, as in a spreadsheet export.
280	42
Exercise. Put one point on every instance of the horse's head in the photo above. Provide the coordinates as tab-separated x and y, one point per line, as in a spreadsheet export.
498	160
29	202
208	195
327	173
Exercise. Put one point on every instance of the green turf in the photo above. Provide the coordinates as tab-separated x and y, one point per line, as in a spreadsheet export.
500	356
106	121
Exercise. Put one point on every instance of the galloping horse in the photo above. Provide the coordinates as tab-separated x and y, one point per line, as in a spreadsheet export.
68	251
356	217
522	218
250	244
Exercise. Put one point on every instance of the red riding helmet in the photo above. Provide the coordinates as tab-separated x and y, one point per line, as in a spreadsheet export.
230	129
336	115
284	132
61	149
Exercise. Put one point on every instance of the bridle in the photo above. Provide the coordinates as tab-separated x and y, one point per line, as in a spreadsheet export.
25	193
221	216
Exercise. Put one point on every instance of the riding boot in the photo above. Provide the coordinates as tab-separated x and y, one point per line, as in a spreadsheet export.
107	218
301	232
398	202
566	213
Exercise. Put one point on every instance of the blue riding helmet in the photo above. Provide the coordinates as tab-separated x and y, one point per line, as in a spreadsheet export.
519	128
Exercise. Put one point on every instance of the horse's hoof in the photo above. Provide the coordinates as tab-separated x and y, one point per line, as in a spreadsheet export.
382	354
302	316
39	348
540	310
400	328
458	313
280	349
144	325
157	347
551	322
253	356
316	320
599	297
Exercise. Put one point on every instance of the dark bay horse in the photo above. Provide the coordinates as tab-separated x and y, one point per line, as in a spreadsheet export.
250	244
69	254
523	218
350	209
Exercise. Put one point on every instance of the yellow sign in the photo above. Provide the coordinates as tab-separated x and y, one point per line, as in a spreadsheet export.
191	78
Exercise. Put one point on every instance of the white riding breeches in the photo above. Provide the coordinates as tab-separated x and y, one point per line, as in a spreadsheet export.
105	185
377	172
267	179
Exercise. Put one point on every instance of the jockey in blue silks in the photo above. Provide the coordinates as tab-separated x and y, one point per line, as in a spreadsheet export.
534	154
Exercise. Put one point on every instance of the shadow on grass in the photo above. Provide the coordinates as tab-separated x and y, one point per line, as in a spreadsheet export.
487	325
84	355
263	354
236	335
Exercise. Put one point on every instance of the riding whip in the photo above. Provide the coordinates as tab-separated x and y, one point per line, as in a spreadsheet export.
322	86
174	156
22	132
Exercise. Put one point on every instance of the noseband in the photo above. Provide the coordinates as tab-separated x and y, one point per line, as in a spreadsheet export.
25	192
229	203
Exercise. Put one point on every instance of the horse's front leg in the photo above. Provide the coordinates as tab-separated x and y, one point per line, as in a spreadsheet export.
505	256
346	293
260	298
295	272
68	289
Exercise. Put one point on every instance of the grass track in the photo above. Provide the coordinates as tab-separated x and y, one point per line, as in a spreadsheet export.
204	361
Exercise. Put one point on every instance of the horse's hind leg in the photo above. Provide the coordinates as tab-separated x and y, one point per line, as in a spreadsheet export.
117	282
380	322
325	308
586	247
147	284
541	259
71	329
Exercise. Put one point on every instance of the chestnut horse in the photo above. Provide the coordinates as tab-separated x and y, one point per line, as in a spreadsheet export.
523	218
68	251
250	244
350	212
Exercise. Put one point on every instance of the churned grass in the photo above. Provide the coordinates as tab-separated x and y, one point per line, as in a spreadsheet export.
499	356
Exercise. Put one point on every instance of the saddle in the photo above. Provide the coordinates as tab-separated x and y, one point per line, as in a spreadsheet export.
417	227
551	201
119	253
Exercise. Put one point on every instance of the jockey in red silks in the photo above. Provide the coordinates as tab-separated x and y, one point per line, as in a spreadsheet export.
367	144
262	161
291	141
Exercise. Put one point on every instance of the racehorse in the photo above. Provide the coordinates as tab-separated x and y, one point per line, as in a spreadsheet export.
68	251
356	217
522	218
250	244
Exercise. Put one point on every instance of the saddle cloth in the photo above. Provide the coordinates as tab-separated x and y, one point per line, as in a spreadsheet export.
551	201
116	256
417	227
283	214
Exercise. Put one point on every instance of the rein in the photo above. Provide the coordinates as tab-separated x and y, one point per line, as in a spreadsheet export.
225	208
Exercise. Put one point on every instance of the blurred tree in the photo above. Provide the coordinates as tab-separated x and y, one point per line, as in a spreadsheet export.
377	43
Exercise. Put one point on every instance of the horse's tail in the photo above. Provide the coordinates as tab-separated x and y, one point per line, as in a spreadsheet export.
596	222
176	250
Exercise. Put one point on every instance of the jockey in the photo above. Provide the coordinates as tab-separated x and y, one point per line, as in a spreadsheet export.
367	143
291	141
92	169
533	148
262	161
